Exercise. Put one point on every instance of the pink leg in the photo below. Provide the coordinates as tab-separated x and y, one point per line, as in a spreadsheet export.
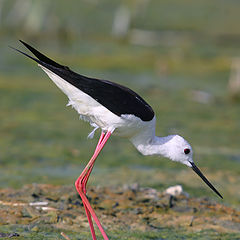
84	181
90	170
90	222
81	186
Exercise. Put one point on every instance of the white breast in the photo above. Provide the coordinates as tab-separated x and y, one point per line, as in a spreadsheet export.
96	114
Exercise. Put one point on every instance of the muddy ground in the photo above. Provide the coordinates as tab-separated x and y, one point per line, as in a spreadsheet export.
44	211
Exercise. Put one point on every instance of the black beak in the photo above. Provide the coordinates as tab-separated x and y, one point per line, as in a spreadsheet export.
199	173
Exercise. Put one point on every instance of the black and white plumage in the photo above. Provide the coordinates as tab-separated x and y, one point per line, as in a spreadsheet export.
115	109
103	103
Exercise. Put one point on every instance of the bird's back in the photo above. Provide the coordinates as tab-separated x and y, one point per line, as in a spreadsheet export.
116	98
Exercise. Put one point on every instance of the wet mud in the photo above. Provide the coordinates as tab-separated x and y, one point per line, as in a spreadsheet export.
37	208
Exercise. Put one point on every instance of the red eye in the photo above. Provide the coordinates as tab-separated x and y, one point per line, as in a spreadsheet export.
186	150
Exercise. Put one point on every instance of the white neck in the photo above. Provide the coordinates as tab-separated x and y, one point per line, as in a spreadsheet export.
154	145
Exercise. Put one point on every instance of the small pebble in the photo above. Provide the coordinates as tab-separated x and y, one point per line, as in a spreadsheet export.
174	190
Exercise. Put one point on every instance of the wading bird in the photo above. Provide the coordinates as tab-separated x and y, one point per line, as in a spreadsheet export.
118	110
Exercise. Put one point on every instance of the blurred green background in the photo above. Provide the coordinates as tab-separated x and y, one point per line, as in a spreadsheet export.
181	56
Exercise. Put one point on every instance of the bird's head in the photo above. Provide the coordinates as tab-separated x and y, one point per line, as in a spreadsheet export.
179	150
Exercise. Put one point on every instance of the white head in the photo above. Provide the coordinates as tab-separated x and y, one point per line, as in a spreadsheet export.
177	149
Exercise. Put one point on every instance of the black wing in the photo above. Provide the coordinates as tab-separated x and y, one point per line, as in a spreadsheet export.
115	97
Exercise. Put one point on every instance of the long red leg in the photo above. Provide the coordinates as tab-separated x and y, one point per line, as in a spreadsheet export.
90	170
85	179
81	186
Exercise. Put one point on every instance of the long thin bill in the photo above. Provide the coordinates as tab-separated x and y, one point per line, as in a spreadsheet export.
199	173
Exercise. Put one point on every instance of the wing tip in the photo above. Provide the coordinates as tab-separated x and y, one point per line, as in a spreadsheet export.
41	57
25	54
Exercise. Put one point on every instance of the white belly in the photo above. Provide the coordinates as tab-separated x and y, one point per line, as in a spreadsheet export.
126	125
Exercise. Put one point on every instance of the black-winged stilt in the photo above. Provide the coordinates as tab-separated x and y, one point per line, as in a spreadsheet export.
116	110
